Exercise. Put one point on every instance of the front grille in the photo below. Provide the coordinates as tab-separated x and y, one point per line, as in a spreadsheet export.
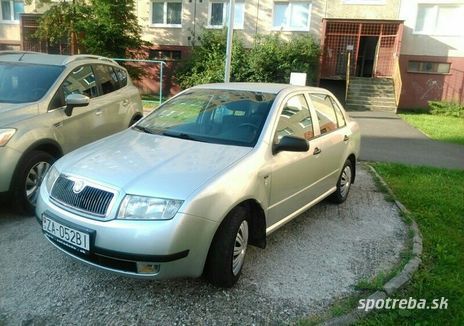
90	199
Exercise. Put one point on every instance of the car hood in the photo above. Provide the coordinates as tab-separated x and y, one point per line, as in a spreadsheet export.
151	165
11	113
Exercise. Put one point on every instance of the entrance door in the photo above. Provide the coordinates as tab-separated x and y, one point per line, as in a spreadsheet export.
366	56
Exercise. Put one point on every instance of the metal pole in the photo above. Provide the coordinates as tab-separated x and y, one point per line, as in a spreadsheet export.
161	83
230	32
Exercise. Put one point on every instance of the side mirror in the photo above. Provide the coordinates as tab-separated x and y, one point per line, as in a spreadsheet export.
290	144
75	100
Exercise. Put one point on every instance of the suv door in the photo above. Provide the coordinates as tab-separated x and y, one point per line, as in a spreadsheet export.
333	138
295	175
81	127
115	101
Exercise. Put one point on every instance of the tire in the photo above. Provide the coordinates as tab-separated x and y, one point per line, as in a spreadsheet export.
343	184
134	119
227	252
28	177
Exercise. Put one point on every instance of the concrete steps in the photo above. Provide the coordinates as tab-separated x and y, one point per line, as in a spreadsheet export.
371	94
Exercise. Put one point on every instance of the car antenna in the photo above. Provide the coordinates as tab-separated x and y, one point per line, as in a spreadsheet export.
21	57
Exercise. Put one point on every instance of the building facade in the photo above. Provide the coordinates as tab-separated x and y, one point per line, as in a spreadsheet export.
419	44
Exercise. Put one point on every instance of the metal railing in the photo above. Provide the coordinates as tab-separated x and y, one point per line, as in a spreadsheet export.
397	82
161	63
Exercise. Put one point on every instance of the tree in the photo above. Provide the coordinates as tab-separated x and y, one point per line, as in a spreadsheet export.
101	27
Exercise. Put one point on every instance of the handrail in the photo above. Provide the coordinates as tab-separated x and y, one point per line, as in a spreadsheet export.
161	63
397	81
348	68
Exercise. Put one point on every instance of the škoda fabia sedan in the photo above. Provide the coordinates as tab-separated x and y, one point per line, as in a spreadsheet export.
184	191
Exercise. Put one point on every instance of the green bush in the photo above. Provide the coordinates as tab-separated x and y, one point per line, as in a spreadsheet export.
446	109
272	59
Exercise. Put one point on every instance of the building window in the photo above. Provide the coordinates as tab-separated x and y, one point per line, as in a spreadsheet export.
291	16
11	10
429	67
364	2
165	55
439	19
166	13
218	14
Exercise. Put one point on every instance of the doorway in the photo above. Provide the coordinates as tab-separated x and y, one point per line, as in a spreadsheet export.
367	56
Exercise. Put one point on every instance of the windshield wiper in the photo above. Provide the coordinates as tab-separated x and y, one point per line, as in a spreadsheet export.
144	129
179	135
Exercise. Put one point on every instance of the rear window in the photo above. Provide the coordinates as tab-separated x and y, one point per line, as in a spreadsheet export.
23	83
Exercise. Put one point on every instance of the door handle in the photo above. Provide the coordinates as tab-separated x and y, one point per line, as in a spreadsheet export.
317	150
346	138
125	102
98	112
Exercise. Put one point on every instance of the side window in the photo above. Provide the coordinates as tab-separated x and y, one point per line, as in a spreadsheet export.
295	119
80	81
325	112
338	112
107	77
122	77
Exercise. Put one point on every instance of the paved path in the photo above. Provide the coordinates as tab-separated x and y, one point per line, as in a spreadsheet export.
310	262
386	137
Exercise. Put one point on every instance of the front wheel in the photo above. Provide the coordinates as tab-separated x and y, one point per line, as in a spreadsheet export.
29	176
227	252
344	183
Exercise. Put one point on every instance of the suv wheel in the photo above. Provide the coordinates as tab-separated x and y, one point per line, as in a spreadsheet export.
29	176
343	184
227	253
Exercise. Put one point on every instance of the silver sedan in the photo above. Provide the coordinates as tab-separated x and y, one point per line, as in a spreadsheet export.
185	190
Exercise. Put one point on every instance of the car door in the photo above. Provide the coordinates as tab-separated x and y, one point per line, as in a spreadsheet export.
295	175
333	138
81	127
114	102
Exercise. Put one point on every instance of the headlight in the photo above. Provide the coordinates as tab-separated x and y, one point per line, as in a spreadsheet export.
148	208
51	177
5	136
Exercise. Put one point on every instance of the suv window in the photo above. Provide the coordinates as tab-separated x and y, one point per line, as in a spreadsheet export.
107	78
122	76
295	119
80	81
325	112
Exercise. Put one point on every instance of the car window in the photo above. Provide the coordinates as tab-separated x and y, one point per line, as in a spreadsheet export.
340	117
107	78
325	112
231	117
22	83
295	119
80	81
122	76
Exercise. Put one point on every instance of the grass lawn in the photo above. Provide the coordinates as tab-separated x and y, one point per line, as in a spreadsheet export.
435	198
444	128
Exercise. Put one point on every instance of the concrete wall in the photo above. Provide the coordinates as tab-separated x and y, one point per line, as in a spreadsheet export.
352	9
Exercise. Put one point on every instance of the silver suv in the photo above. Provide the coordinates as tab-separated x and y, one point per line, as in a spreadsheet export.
52	104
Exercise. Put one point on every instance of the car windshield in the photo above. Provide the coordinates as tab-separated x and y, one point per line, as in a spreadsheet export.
22	83
209	115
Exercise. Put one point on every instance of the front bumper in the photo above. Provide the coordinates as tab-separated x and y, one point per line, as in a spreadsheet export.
178	247
9	159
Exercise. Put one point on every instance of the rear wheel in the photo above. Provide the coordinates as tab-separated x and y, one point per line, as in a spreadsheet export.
227	252
343	184
28	178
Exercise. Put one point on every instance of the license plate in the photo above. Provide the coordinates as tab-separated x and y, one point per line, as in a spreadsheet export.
66	235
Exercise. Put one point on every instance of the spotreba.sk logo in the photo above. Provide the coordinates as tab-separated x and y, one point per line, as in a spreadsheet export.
410	303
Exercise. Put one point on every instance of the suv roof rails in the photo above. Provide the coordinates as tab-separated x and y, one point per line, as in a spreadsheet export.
86	56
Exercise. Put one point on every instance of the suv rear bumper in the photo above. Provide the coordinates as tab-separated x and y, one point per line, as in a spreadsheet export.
9	159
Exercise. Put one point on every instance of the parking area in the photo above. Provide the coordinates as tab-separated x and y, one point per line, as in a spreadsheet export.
307	264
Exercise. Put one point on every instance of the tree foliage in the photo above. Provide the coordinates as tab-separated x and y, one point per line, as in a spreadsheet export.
272	59
103	27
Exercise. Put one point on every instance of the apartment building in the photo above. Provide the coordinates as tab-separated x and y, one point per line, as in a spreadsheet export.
416	44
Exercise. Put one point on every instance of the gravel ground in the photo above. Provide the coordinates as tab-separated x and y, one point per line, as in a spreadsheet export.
308	263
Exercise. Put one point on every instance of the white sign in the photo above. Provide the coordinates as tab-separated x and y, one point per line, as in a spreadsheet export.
298	78
349	47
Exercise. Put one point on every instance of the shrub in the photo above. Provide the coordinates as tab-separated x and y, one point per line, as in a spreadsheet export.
272	59
446	109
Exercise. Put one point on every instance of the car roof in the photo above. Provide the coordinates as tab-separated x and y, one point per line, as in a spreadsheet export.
272	88
46	59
